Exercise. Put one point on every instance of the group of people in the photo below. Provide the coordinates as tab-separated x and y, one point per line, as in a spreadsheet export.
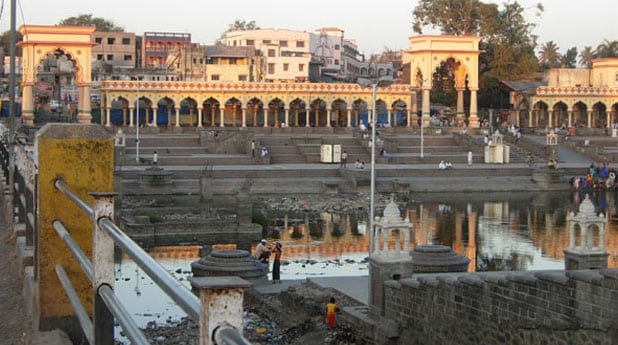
262	254
263	251
359	164
597	176
445	165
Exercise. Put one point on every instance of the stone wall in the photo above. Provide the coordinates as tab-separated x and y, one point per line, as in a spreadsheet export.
544	307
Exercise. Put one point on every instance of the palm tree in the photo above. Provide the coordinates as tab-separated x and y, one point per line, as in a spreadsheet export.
607	49
549	57
586	56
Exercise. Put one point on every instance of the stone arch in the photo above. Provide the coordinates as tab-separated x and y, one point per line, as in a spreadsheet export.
231	113
561	114
166	111
209	106
399	113
298	113
599	115
339	113
580	114
38	41
318	108
427	52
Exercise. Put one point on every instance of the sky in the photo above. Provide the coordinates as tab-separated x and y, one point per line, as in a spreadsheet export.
569	23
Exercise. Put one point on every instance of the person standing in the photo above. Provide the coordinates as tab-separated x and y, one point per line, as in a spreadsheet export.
252	148
331	308
344	159
277	263
155	158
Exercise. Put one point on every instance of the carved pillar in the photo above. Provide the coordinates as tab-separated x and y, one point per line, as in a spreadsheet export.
388	117
199	116
244	117
307	117
108	117
154	116
459	115
265	116
213	109
84	113
408	118
426	108
222	116
570	118
328	114
131	116
550	121
530	118
589	123
349	118
177	116
473	119
296	108
27	105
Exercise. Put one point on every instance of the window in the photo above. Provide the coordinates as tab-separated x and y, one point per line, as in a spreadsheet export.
250	42
110	57
242	77
98	40
286	67
214	77
126	41
271	53
265	41
99	57
283	43
128	58
336	62
336	47
233	61
300	44
301	67
111	40
271	68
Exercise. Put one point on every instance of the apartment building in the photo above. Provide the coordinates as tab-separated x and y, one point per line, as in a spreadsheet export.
287	53
155	47
115	49
216	63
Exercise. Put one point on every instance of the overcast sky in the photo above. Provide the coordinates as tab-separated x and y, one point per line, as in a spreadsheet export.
569	23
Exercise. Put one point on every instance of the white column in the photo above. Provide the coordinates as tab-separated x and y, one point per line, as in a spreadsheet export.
108	117
388	117
328	113
349	119
222	116
589	119
244	117
131	116
199	116
265	115
307	117
177	116
154	116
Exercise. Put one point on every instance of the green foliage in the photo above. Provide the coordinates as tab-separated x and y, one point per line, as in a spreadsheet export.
586	56
5	42
101	24
259	218
238	25
569	60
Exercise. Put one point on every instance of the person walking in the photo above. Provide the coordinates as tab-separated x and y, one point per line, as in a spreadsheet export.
277	263
155	158
253	148
331	308
344	159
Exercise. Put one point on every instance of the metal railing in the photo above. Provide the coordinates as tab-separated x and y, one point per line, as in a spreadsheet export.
222	333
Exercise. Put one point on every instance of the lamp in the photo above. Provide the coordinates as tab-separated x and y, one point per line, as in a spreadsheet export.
374	81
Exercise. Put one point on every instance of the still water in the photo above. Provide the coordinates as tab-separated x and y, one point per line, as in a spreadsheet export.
496	232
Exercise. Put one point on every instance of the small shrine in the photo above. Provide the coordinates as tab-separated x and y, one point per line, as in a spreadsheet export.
496	152
587	248
389	259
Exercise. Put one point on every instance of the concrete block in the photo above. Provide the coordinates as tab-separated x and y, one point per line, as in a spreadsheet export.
19	229
25	255
55	337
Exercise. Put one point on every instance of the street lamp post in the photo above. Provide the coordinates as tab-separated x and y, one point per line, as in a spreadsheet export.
137	124
374	81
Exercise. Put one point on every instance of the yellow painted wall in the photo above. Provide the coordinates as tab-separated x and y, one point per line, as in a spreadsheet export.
82	156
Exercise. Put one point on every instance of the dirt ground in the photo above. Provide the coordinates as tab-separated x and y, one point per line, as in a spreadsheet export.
14	322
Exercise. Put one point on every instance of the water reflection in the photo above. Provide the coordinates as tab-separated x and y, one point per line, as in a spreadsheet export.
526	232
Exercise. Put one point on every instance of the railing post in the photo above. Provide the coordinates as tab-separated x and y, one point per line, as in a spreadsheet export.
103	268
220	304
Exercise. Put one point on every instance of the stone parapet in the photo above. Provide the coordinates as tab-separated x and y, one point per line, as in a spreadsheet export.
544	307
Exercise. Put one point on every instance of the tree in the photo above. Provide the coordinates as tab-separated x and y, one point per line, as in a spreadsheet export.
101	24
238	25
549	57
5	42
607	49
569	60
586	56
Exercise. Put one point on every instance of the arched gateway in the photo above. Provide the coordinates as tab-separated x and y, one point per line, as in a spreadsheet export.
72	41
239	104
460	53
